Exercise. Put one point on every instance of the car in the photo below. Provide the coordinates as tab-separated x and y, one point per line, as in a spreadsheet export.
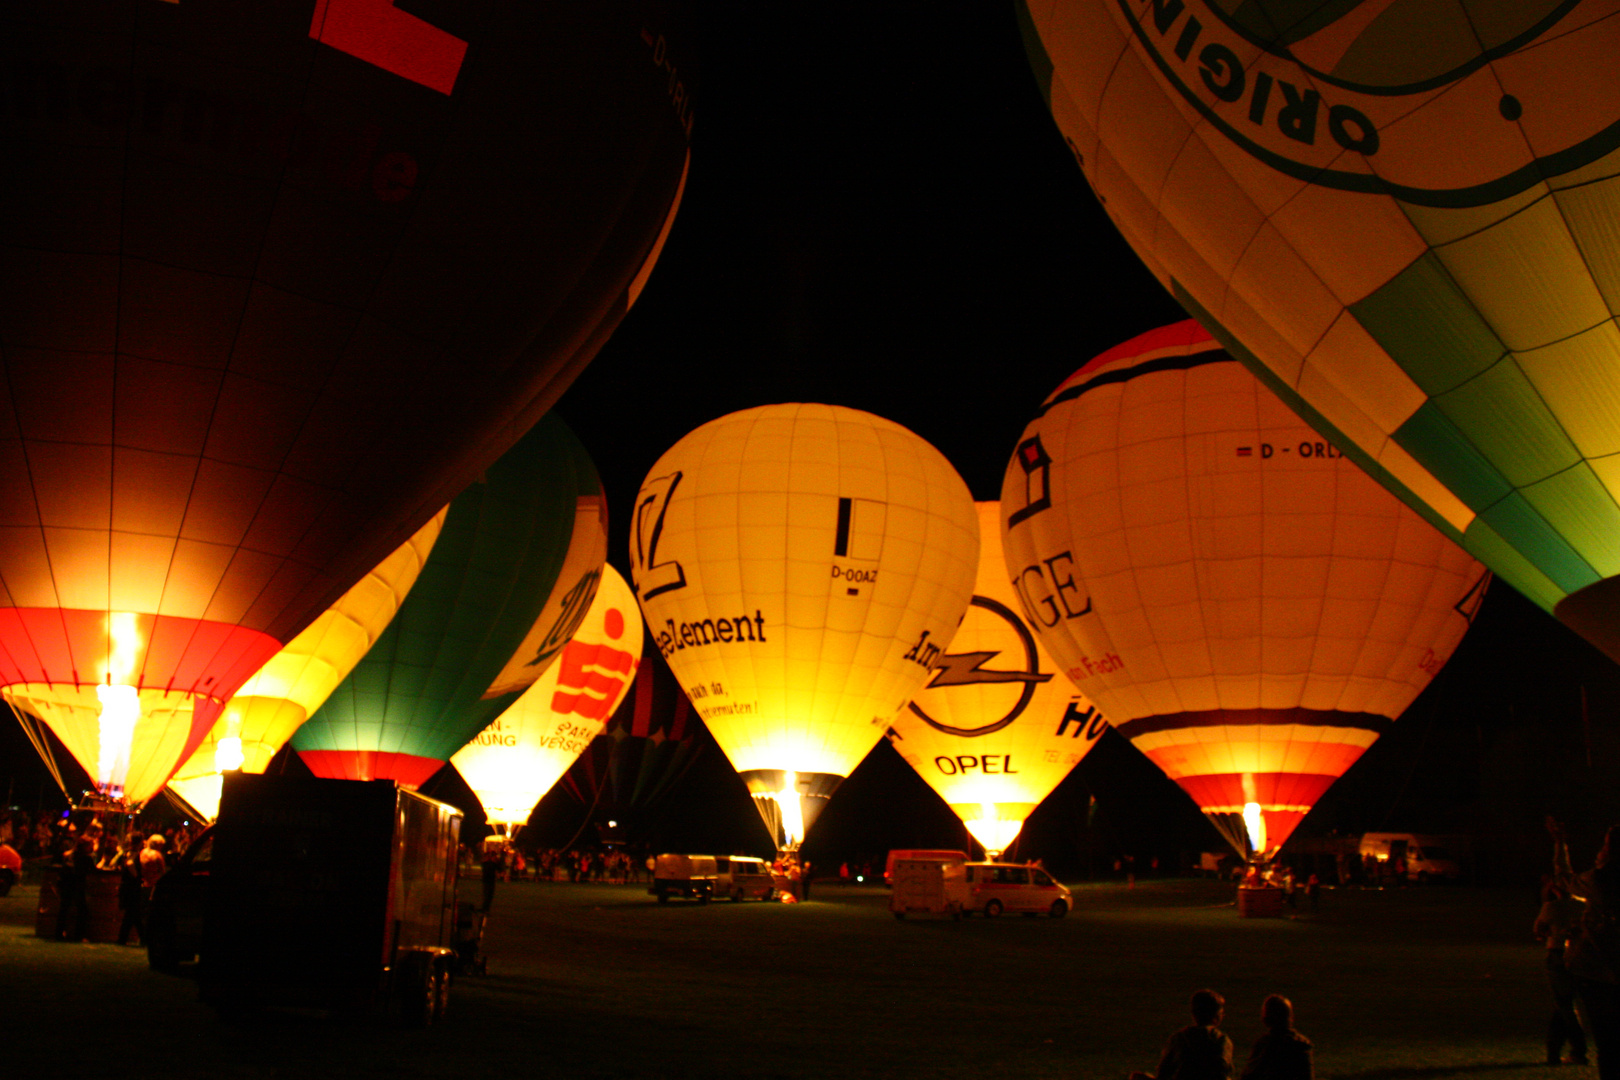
994	888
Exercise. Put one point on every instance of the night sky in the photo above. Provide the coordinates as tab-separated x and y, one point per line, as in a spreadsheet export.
880	214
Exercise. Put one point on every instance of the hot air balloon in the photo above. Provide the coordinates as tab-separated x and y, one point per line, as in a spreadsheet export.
522	753
996	728
649	743
252	255
1249	608
513	573
281	695
801	567
1400	217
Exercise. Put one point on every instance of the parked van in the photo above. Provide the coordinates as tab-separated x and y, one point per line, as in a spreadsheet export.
1427	858
993	888
683	875
742	876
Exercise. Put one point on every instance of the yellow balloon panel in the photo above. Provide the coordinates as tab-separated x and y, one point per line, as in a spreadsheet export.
513	762
295	682
128	752
997	727
802	567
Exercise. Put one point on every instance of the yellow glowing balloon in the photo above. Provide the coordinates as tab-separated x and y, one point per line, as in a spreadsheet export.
802	568
271	705
1249	608
513	762
997	727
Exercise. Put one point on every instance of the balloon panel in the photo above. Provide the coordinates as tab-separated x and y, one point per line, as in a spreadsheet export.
650	740
280	696
441	671
996	728
513	762
248	262
1245	604
801	567
1412	246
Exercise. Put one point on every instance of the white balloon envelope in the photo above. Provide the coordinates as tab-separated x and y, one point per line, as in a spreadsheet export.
1246	605
802	567
997	727
514	761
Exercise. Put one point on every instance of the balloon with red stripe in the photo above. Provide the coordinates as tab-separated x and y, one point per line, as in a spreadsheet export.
650	742
1249	608
513	762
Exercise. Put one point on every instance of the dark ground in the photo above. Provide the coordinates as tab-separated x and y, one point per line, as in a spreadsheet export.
599	981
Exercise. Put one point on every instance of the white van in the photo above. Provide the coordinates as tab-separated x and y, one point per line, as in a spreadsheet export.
1427	858
742	876
993	888
683	875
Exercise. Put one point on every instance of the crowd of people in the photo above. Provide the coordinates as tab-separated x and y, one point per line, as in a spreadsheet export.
75	849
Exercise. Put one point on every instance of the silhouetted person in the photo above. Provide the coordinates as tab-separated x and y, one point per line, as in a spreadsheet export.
1558	920
1281	1053
1593	955
72	877
1201	1050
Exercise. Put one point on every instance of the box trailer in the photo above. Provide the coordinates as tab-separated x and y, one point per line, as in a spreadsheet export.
337	894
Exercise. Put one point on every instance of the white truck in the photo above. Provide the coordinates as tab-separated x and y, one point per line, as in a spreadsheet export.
683	875
1427	858
929	885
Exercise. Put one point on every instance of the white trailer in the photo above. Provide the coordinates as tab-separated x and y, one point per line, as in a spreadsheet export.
929	886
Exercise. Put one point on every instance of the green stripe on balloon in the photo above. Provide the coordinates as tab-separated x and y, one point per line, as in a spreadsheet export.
421	689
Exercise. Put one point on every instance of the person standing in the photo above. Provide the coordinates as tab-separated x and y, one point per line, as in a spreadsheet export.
1593	955
1559	918
1281	1053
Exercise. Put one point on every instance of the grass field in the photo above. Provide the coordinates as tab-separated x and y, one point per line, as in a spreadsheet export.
599	981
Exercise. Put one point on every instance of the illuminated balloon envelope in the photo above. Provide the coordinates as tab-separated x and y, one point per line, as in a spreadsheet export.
649	743
281	695
1246	605
996	728
1400	216
801	567
511	577
522	753
276	282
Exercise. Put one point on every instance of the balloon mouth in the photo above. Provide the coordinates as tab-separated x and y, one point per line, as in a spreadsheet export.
789	802
120	712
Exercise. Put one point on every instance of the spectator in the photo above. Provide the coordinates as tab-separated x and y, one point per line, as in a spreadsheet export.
1593	955
1201	1050
1281	1053
1559	918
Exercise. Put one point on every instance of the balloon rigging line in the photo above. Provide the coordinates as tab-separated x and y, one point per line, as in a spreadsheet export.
41	744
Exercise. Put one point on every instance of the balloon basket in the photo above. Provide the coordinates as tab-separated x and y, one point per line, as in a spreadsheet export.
1259	902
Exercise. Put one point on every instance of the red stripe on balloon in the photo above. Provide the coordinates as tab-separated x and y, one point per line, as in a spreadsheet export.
1269	789
382	35
69	647
410	770
1180	338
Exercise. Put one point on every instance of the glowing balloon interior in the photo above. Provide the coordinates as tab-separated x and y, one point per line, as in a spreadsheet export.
513	762
1246	605
280	696
997	727
1401	217
801	567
